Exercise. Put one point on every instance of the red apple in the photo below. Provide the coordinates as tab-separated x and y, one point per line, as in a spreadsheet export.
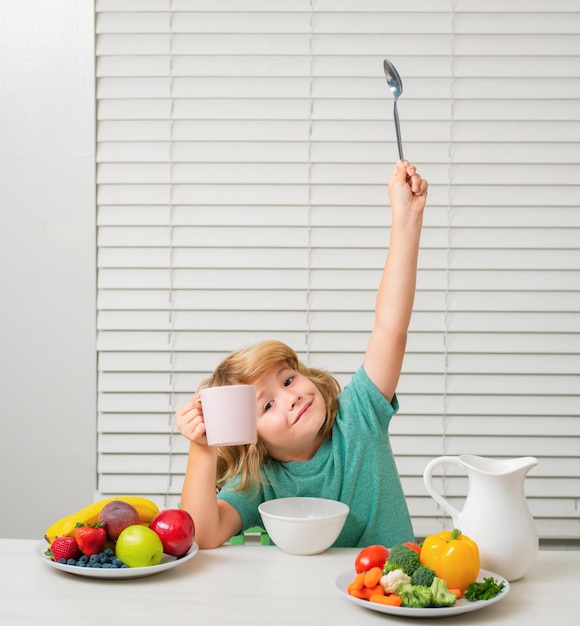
176	530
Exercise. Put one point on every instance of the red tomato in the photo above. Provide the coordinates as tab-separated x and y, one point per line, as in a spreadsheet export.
413	546
369	557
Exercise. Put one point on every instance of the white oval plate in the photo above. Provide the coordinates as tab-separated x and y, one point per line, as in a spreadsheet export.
168	562
461	606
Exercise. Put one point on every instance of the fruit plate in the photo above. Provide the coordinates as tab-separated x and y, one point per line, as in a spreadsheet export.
168	562
461	606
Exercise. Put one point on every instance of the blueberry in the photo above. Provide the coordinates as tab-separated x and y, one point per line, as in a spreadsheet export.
71	562
62	561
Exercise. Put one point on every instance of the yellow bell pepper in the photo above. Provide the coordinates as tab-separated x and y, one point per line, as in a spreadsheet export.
453	557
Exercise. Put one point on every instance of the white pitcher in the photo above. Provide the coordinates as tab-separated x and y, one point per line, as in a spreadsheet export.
495	514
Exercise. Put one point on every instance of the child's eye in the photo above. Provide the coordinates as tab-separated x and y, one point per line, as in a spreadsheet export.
267	406
288	381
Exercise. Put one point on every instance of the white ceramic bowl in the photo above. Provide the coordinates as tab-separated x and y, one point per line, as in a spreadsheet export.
303	525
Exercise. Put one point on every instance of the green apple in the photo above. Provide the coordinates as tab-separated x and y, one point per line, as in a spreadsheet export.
139	546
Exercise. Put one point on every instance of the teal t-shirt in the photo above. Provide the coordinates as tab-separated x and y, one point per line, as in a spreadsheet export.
355	466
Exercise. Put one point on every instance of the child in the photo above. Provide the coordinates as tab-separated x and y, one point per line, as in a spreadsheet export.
314	440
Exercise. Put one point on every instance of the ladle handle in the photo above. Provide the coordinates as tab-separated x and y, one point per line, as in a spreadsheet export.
398	131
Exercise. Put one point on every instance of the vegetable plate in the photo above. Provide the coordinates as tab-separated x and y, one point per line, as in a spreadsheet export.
461	606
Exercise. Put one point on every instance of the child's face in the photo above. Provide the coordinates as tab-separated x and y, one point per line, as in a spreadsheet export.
291	412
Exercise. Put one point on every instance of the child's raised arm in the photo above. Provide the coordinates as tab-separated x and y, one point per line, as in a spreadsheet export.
394	302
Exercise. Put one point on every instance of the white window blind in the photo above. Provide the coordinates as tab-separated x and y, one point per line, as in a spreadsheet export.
244	149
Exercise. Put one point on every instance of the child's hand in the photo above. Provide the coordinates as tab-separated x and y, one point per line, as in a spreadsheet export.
189	421
407	190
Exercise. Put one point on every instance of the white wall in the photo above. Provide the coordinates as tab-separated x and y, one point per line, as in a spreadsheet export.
47	262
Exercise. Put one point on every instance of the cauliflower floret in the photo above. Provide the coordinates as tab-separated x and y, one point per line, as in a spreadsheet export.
393	580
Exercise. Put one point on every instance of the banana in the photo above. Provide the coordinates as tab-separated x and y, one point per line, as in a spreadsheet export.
65	527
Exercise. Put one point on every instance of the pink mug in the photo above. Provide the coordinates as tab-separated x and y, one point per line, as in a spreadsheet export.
229	413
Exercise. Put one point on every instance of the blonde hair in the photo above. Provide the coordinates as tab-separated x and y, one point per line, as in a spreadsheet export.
246	367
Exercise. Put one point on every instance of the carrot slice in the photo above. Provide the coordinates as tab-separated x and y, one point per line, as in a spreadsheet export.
391	600
367	592
356	593
372	577
358	581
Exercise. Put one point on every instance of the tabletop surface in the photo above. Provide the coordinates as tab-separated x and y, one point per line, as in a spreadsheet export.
252	584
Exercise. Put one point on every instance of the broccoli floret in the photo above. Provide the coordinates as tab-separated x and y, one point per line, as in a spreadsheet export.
402	557
441	594
415	596
423	576
390	566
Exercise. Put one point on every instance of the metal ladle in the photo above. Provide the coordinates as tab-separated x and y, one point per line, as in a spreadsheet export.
396	86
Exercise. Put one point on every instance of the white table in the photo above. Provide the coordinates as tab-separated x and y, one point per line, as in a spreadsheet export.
252	584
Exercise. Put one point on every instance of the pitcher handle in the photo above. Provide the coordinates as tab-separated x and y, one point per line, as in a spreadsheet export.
428	480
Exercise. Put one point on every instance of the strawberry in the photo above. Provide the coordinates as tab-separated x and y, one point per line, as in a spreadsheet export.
65	548
91	539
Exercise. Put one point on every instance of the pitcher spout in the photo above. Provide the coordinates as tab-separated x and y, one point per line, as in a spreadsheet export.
522	464
497	467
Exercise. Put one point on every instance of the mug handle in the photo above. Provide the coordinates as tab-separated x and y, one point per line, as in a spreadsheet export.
428	480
